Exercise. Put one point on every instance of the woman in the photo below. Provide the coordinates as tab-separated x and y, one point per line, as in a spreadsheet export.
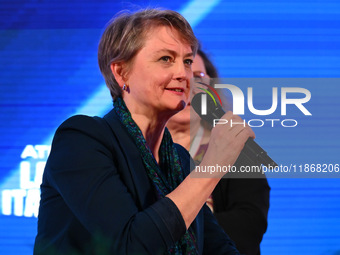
121	177
239	204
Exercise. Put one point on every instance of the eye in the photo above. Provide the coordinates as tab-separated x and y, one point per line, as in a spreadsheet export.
188	62
166	59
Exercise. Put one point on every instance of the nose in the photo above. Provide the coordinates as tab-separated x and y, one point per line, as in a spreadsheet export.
181	73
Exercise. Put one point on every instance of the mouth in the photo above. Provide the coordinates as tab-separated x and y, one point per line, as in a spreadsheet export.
180	90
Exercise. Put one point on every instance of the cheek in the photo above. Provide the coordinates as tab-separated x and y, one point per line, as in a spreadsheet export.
161	81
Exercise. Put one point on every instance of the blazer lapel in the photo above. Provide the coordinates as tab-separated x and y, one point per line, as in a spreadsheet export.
131	163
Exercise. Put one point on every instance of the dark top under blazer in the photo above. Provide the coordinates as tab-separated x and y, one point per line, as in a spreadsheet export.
241	207
95	183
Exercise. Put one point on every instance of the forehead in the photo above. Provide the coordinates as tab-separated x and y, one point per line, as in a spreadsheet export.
166	37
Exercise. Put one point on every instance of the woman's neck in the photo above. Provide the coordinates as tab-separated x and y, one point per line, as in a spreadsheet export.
152	129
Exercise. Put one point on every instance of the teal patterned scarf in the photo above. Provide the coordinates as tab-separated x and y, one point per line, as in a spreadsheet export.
165	176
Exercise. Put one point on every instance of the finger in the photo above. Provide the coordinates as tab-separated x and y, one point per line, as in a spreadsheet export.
224	122
236	129
237	124
245	134
228	116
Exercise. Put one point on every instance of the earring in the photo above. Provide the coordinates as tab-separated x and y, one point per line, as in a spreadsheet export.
124	87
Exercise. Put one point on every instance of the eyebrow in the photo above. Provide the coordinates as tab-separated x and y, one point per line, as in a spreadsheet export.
172	52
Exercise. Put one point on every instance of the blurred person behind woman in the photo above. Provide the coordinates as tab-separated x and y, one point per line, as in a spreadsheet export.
240	204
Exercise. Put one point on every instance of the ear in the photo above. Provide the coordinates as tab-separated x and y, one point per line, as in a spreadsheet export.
117	71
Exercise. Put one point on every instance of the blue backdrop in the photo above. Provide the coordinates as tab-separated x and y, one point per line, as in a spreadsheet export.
48	66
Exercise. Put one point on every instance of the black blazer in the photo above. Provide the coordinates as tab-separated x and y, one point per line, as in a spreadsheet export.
96	193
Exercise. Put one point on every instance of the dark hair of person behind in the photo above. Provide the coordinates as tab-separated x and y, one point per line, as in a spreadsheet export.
213	74
209	66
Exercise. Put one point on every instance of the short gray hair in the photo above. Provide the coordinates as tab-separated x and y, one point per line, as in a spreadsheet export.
125	36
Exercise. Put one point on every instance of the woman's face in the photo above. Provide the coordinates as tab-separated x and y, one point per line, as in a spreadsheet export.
188	114
159	78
